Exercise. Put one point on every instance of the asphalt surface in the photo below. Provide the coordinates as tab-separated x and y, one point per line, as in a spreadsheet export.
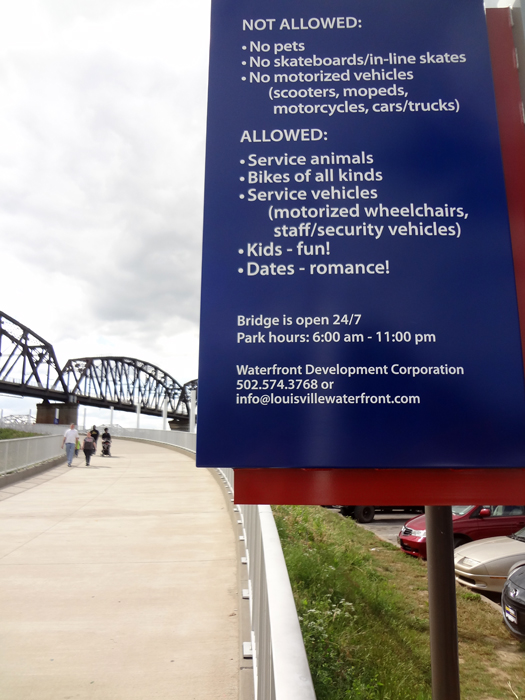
387	525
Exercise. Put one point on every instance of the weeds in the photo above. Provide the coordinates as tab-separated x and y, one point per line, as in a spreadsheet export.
359	642
10	434
363	608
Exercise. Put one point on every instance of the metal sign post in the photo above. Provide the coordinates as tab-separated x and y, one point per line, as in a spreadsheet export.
442	603
165	414
193	408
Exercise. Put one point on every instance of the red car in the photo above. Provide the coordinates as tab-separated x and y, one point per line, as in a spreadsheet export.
469	523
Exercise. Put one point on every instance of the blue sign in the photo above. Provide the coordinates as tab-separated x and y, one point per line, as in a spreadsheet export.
358	297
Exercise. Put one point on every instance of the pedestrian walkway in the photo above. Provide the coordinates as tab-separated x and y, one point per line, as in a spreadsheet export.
118	582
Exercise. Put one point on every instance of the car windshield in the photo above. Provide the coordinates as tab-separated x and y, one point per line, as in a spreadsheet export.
520	535
460	510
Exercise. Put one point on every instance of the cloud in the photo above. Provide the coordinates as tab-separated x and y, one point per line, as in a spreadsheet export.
102	133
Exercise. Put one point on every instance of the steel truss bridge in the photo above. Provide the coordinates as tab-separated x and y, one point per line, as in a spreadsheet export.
28	367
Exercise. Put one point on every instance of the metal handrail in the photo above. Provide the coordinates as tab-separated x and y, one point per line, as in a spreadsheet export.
19	453
281	670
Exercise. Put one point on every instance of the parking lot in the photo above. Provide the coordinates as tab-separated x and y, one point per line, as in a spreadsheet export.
387	525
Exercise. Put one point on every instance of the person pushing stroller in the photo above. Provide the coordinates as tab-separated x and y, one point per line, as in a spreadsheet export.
106	443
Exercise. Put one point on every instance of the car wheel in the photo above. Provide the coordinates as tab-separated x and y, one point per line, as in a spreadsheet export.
364	514
459	540
514	567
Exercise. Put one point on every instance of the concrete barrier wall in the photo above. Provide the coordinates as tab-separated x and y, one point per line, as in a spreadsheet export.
178	438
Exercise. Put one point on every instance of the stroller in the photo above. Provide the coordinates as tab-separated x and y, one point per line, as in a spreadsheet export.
106	444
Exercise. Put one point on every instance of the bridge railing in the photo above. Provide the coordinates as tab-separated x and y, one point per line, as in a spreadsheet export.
281	670
20	453
177	438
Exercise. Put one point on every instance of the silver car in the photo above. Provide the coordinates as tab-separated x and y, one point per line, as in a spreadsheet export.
485	564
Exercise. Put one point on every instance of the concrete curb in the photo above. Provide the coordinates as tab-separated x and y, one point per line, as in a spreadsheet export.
30	471
246	679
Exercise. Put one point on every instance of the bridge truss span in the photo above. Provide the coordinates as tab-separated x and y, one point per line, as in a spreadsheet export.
124	382
28	365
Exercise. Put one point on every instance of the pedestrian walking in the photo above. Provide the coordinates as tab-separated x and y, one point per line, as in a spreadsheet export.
89	448
94	434
70	441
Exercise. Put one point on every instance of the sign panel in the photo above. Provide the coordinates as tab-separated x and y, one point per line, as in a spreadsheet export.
358	300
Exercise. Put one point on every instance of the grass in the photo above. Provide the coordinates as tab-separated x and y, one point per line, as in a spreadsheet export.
10	434
363	607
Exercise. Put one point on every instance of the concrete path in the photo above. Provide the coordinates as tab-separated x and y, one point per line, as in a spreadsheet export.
118	582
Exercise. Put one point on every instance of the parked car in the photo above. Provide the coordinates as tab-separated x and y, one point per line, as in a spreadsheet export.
469	523
365	514
484	565
513	602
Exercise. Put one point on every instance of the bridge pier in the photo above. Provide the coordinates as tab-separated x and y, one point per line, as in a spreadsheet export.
179	423
67	412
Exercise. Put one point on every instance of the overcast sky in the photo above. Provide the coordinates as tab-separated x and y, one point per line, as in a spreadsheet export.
102	131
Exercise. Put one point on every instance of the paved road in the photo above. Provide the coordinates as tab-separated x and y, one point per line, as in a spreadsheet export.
388	525
118	582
